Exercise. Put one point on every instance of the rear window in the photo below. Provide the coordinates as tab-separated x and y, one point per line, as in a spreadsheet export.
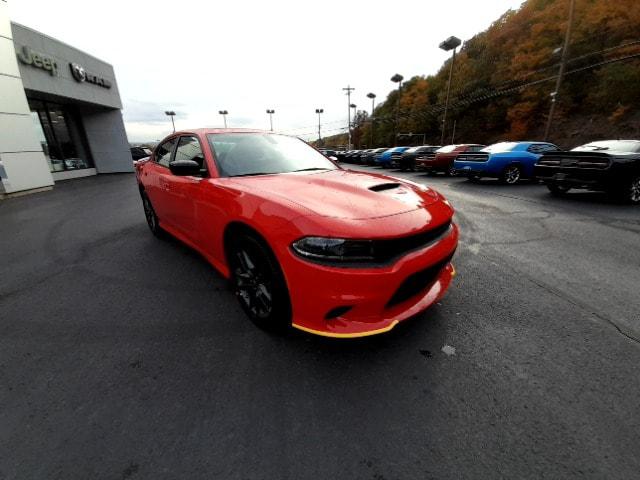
447	149
617	146
500	147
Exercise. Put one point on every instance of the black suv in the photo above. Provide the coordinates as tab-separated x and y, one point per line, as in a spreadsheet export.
611	165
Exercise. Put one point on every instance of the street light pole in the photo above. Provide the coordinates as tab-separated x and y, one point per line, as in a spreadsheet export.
319	111
172	114
271	112
348	89
450	43
397	78
563	61
372	96
224	114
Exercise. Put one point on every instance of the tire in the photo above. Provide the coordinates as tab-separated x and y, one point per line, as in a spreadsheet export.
558	189
450	172
511	175
258	283
631	192
151	216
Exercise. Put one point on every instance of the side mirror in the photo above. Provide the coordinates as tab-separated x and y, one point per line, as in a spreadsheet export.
185	168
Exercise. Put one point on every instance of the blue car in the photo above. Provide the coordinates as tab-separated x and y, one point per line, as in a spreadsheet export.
390	157
507	161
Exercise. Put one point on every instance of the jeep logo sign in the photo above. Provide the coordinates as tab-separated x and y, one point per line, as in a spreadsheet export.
81	75
38	60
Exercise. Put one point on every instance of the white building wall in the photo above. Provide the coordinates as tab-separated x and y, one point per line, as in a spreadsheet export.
22	163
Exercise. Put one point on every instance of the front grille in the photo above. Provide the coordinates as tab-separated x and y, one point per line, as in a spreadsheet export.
473	157
598	161
386	250
417	282
396	156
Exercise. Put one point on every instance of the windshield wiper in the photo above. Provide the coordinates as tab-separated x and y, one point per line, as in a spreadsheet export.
312	168
601	148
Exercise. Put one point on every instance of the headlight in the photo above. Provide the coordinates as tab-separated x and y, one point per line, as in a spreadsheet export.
334	249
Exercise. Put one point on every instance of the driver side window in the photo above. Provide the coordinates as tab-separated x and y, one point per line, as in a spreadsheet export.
189	149
163	153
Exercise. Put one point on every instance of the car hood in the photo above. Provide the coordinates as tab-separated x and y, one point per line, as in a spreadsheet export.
342	193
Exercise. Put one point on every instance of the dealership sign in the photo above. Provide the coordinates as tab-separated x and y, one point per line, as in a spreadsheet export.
81	75
39	60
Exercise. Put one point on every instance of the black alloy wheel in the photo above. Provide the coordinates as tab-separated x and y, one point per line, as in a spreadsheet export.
150	215
511	174
632	193
259	284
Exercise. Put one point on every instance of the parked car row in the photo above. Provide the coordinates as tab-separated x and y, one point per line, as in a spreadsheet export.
612	166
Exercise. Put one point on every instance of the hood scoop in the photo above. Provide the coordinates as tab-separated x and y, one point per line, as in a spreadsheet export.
384	186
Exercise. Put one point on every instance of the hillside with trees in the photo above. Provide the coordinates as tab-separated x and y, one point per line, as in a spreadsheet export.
503	78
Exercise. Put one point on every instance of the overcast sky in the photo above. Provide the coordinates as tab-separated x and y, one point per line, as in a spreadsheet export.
246	56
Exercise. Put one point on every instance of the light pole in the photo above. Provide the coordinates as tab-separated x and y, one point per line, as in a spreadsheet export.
319	111
397	78
563	61
372	96
450	43
224	114
348	89
172	114
271	112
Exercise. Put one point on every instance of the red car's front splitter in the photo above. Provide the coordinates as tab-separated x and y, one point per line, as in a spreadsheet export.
339	328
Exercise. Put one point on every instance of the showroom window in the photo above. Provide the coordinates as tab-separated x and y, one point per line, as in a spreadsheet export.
60	136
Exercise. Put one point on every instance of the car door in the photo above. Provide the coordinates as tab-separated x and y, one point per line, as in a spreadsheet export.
185	192
155	180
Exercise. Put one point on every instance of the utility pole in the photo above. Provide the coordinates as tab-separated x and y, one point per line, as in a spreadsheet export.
349	89
454	132
563	61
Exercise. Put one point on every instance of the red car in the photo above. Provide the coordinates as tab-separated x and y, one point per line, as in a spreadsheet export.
304	242
442	159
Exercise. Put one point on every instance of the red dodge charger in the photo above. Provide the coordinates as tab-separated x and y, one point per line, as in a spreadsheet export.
304	242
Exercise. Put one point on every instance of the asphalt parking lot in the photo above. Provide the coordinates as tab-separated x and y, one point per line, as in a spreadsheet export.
124	356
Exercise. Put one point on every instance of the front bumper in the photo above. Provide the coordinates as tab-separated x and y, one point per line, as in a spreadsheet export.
317	289
589	178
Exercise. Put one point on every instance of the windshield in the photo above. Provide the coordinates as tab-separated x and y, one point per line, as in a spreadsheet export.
620	146
241	154
500	147
447	149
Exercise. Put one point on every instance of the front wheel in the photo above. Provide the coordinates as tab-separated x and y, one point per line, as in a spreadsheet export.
632	191
150	215
558	188
451	172
511	175
259	284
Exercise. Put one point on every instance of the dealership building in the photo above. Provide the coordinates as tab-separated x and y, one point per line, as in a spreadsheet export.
60	112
